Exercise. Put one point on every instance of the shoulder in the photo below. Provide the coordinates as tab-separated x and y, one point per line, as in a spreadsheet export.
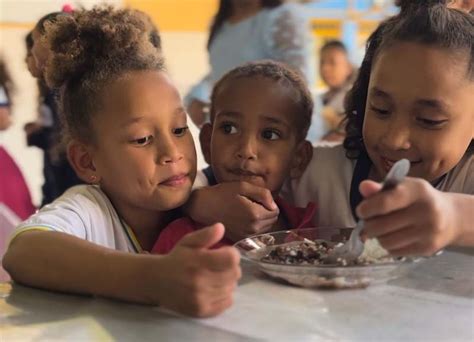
287	10
328	156
77	206
283	15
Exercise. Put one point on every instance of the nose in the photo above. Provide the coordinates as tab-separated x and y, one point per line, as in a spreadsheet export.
247	149
169	152
397	135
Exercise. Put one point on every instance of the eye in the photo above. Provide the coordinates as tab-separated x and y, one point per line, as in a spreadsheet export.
142	141
271	134
228	128
379	111
430	123
181	131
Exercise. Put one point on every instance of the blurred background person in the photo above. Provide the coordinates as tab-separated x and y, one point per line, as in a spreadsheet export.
337	73
15	198
44	133
247	30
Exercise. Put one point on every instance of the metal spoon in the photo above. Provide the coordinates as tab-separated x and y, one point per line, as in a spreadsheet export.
354	247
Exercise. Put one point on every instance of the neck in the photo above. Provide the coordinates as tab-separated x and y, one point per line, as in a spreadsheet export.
146	224
242	9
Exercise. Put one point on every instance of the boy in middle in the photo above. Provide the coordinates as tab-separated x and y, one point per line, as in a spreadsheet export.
260	115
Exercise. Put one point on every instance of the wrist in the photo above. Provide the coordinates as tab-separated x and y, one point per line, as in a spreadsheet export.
126	277
462	206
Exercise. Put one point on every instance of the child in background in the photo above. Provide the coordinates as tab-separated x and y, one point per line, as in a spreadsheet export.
128	139
412	99
258	140
15	198
337	73
45	132
14	192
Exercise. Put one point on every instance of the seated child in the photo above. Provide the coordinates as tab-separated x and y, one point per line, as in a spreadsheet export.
260	115
337	72
128	139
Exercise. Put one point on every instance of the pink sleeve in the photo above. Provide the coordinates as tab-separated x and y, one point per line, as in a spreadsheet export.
172	234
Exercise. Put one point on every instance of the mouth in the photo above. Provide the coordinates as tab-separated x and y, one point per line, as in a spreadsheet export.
387	163
244	173
176	181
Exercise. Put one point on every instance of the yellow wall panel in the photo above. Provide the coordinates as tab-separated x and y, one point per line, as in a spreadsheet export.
178	15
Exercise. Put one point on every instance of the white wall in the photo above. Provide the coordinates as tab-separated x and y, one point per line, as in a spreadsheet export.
184	51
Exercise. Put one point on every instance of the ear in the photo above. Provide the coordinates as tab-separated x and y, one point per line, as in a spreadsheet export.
301	159
80	158
205	136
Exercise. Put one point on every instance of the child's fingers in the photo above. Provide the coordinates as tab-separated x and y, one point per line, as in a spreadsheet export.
368	188
410	250
400	239
257	210
222	259
381	225
220	306
385	202
258	194
203	238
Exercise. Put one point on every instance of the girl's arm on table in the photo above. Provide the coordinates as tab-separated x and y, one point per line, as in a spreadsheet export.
191	279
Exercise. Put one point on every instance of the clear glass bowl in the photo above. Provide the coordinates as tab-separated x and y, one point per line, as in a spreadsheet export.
255	247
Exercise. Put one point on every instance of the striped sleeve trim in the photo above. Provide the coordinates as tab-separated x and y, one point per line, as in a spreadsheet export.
29	228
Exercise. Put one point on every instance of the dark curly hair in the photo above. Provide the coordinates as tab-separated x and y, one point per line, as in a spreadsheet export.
282	74
428	22
90	49
225	11
48	18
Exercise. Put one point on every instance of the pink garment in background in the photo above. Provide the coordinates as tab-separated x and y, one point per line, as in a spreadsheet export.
13	190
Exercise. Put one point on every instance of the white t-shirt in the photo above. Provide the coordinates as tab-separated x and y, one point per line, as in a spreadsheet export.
85	212
327	182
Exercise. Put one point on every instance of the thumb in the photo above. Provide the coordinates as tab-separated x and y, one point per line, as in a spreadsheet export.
368	188
204	238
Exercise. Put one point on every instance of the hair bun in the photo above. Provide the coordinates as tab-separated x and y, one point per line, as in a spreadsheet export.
93	39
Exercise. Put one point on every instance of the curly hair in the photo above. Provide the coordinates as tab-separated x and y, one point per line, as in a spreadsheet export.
282	74
428	22
88	50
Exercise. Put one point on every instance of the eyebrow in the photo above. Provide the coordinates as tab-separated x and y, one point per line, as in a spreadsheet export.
276	121
374	91
266	118
437	105
136	119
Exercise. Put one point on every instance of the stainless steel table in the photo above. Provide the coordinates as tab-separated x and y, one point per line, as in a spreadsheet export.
434	302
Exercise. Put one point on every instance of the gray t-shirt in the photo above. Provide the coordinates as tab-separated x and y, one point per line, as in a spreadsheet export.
327	182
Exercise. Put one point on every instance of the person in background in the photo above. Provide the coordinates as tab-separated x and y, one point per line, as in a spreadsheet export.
14	193
248	30
337	73
44	133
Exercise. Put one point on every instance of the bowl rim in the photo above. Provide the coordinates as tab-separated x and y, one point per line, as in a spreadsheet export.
396	263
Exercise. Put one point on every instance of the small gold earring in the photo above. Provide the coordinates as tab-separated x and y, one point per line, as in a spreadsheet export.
93	178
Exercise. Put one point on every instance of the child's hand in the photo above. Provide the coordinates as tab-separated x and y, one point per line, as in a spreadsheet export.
197	281
412	219
244	208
